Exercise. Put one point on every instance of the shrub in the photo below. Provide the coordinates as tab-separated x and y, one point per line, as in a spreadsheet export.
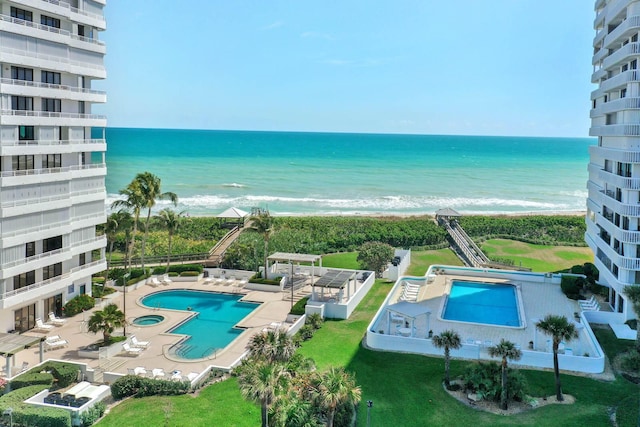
630	361
485	380
24	414
306	332
98	280
132	385
314	320
179	268
64	373
32	378
189	274
78	304
570	287
256	278
299	307
97	291
93	414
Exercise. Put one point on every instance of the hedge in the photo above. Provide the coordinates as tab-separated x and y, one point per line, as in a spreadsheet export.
189	274
133	385
32	378
64	373
24	414
178	268
78	304
298	308
256	279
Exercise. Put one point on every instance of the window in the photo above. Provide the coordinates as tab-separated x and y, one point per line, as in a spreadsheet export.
25	15
623	93
83	289
20	73
21	163
82	259
81	30
81	107
49	21
26	133
30	249
50	77
52	244
24	279
22	103
52	161
83	158
71	289
50	271
24	318
51	105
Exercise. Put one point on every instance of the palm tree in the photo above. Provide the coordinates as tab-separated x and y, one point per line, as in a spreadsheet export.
149	190
336	387
106	321
260	381
170	220
448	340
133	203
633	293
506	350
560	330
272	346
263	224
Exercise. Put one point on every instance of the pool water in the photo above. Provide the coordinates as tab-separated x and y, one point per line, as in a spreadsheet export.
492	304
212	328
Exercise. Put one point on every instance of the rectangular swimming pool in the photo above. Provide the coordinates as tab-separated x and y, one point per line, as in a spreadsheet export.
485	303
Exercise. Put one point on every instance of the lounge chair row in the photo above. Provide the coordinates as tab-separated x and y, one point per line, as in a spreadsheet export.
158	373
410	292
53	342
160	280
591	304
222	280
53	321
135	347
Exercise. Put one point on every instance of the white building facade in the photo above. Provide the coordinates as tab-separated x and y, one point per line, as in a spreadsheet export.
613	206
52	172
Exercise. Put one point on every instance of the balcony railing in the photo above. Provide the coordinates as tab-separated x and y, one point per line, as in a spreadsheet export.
37	285
616	105
34	113
49	29
36	229
46	171
66	5
630	25
625	156
615	130
51	142
50	86
53	58
47	199
621	54
32	258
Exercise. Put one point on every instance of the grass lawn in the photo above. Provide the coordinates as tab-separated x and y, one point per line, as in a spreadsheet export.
539	258
341	260
421	260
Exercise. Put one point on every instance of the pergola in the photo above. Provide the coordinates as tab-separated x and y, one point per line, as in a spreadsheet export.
407	310
335	279
10	344
447	214
290	258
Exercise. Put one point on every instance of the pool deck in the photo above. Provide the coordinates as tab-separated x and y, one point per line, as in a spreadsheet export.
273	309
538	299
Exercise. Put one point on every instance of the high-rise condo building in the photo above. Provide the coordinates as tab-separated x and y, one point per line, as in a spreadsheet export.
52	172
613	206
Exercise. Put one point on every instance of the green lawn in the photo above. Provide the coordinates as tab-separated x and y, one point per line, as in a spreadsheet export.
341	260
406	389
540	258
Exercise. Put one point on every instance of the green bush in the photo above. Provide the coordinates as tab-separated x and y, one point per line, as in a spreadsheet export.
630	361
485	379
570	287
315	320
132	385
189	274
306	332
64	373
32	378
257	279
78	304
178	268
98	291
98	280
93	414
299	307
24	414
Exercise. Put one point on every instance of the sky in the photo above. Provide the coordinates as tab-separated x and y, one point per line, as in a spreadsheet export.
465	67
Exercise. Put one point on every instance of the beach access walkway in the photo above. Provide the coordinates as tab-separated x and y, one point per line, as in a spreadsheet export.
216	254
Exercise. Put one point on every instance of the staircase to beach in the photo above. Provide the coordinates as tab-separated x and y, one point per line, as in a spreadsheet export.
217	252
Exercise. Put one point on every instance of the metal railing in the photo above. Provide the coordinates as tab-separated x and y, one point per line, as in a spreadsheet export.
161	259
47	142
29	83
54	114
49	29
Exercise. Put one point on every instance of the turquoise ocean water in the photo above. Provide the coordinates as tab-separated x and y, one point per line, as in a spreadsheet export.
328	173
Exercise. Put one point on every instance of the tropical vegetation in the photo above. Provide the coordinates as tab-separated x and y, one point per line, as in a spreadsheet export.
506	350
106	321
560	330
447	340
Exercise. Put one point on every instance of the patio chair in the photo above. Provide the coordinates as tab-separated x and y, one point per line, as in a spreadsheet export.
242	282
131	350
220	280
208	280
139	344
42	326
153	282
157	373
57	321
166	280
176	376
24	367
54	342
140	371
192	376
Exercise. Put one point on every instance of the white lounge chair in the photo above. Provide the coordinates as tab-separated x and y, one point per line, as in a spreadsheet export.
56	320
208	280
242	282
590	303
131	350
153	282
192	376
176	376
139	344
54	341
42	326
220	280
140	371
157	373
166	280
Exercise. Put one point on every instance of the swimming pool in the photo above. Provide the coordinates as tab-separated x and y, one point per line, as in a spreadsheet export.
212	328
487	303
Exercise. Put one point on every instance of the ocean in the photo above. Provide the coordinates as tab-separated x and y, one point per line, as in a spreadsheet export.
294	173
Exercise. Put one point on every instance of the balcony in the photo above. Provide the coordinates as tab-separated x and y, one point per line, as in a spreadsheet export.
619	81
35	176
44	146
598	75
615	180
51	62
617	155
620	104
623	236
599	56
46	90
63	8
33	29
623	31
615	130
49	118
624	54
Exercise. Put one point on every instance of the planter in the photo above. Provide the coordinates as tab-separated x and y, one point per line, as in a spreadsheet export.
186	278
93	351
